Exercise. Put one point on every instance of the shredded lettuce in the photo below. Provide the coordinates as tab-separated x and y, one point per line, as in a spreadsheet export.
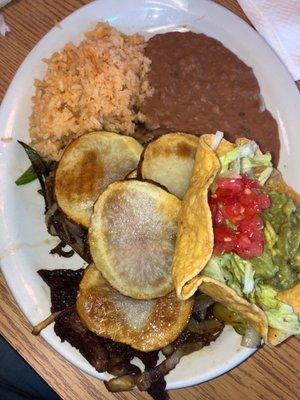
258	161
244	160
243	271
213	269
231	269
248	279
265	175
245	150
279	314
264	160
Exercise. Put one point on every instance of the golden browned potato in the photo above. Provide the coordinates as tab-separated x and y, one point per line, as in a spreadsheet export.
145	325
169	161
88	165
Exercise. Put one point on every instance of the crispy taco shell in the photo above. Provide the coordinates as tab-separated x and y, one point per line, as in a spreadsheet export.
227	296
194	243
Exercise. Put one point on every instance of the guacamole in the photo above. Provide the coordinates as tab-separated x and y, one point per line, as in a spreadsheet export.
260	279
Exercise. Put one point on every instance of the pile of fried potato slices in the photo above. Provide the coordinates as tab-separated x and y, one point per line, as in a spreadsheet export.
126	200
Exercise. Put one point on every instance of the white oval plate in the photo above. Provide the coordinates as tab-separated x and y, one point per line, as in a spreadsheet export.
25	243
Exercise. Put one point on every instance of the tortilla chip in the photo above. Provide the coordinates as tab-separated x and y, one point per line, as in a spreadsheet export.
195	240
276	337
292	297
227	296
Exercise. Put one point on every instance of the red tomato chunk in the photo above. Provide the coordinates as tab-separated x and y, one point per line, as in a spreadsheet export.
236	206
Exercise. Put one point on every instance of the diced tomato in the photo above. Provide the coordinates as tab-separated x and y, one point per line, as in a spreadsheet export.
226	237
212	199
218	218
240	202
251	183
224	195
258	236
213	208
234	212
263	201
248	198
229	246
249	225
243	242
236	184
218	248
256	201
217	215
254	249
250	211
222	233
223	247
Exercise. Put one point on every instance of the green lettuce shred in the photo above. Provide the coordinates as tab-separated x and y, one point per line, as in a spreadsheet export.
245	150
242	160
231	269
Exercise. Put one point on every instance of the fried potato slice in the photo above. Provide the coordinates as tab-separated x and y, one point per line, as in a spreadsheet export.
145	325
132	238
195	239
169	161
88	165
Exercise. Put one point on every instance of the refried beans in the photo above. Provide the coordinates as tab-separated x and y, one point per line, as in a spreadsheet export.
200	87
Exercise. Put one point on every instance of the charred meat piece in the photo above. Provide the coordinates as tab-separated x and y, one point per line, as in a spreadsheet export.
69	327
150	376
64	284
